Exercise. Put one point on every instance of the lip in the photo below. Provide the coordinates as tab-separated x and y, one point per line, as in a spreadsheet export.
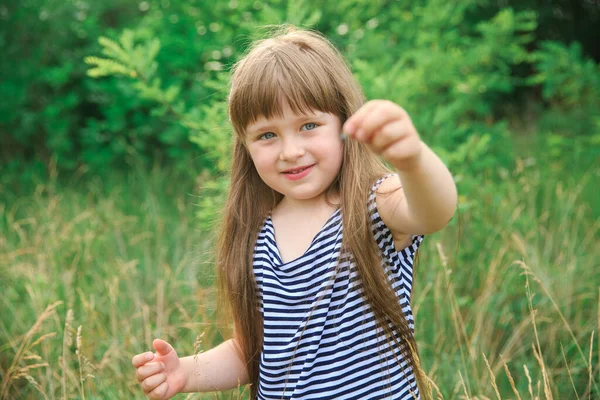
293	177
287	171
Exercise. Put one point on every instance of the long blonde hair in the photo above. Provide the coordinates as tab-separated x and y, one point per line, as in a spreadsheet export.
305	70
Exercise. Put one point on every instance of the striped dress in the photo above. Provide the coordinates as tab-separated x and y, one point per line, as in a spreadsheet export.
320	339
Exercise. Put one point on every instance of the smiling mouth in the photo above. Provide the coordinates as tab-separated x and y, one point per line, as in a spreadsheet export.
296	170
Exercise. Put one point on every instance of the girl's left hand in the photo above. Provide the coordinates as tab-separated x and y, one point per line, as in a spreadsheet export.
388	130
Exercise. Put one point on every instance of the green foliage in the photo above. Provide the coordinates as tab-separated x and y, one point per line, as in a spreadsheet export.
45	94
125	58
449	75
570	84
565	75
160	70
134	58
451	80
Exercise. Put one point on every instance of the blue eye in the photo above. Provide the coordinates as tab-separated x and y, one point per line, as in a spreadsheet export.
267	135
309	127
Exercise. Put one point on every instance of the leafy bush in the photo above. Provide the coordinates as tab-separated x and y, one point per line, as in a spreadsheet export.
570	84
454	67
451	76
46	97
450	80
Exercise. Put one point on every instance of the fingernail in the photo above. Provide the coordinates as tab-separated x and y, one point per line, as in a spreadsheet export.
149	356
162	365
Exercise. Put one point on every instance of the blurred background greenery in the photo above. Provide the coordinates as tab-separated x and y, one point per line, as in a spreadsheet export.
114	149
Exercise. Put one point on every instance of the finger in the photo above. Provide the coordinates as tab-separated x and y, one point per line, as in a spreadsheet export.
141	359
149	369
403	154
159	392
152	382
351	125
163	348
388	135
386	113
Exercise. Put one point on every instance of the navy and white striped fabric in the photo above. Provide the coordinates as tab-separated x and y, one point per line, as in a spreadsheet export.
320	339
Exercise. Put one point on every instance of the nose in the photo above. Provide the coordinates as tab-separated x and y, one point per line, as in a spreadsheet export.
291	150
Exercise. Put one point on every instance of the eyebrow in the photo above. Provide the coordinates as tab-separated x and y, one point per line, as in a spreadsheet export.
268	126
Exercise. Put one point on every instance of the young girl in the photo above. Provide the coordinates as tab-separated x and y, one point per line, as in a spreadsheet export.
316	248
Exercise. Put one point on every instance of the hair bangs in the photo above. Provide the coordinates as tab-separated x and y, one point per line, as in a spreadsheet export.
295	75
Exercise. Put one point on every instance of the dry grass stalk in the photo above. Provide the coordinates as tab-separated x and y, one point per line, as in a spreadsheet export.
244	392
182	311
14	371
21	372
481	315
160	308
569	371
32	357
512	344
67	342
537	351
197	344
492	377
113	295
540	360
458	322
42	338
462	381
36	385
529	272
433	385
589	388
146	321
106	359
78	352
510	378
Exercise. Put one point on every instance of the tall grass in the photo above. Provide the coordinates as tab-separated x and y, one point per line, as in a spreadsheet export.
506	298
512	304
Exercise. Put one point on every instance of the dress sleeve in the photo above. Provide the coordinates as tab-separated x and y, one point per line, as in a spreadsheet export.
398	263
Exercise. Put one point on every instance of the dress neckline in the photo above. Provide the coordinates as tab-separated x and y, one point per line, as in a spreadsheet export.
279	260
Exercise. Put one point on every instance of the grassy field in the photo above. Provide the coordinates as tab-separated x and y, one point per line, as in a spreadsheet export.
507	297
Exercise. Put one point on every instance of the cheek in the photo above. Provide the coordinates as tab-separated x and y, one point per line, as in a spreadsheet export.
334	153
339	148
262	158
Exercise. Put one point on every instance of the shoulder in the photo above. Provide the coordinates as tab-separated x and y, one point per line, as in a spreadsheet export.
388	194
387	184
388	202
391	205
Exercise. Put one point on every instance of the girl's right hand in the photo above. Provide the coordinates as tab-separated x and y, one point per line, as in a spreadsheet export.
160	374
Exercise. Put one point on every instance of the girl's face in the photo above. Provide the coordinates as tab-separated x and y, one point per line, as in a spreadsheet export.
297	155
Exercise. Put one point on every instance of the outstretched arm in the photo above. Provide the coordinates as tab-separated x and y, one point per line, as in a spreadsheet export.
426	198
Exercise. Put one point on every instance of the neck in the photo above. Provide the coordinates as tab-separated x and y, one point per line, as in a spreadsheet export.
318	204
